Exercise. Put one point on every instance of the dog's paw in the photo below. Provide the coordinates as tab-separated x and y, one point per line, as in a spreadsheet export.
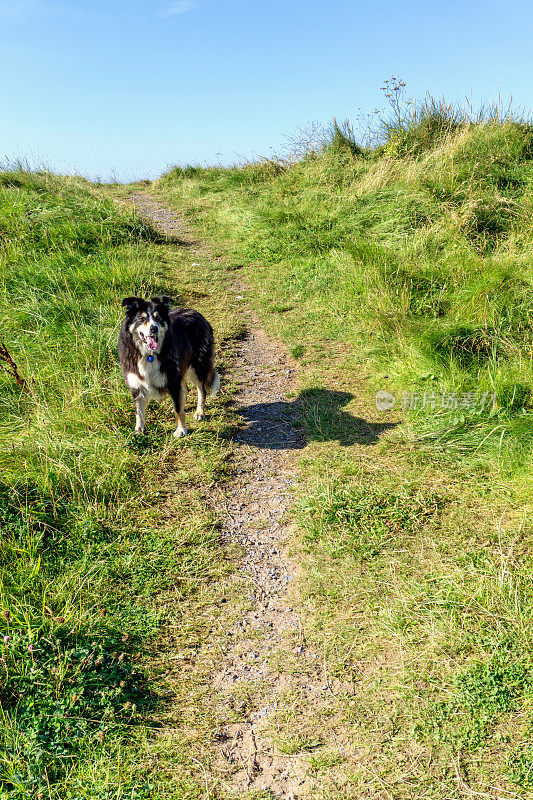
179	432
139	431
198	416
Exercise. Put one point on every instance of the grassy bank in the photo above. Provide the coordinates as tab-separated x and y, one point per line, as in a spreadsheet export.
420	259
407	268
104	534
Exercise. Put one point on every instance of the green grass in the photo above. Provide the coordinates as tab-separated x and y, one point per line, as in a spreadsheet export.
103	533
407	267
420	258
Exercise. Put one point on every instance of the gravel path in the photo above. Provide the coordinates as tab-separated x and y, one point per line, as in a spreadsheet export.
253	507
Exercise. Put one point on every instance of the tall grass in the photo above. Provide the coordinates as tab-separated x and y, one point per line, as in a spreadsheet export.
80	561
421	244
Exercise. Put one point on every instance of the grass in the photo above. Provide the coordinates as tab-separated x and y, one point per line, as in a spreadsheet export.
104	534
403	266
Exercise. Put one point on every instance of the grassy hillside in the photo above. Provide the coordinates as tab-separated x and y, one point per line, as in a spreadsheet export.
102	532
418	252
406	267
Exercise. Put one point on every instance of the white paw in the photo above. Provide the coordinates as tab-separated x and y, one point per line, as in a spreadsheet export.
179	432
138	431
198	415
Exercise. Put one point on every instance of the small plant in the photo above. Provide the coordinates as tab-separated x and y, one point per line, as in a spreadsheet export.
343	139
325	761
297	350
394	91
299	744
520	766
61	693
481	697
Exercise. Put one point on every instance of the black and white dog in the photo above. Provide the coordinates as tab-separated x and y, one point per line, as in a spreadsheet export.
160	351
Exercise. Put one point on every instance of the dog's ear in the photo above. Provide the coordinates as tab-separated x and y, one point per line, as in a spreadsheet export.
163	300
131	304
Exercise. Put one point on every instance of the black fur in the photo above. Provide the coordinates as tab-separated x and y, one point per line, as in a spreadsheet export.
185	341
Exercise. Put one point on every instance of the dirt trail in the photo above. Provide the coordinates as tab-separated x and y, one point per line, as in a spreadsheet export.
252	507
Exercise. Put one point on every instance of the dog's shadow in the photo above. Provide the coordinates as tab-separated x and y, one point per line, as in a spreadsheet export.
315	415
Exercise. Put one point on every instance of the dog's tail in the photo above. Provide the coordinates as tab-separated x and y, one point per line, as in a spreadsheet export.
212	383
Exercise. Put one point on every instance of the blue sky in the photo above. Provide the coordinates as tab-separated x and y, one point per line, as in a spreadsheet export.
126	89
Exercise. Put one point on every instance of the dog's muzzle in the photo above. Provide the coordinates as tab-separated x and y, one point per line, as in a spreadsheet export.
151	341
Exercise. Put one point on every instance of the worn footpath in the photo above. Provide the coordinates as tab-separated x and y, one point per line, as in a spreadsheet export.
252	508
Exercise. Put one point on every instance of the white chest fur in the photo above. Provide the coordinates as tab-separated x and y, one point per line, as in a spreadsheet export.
150	381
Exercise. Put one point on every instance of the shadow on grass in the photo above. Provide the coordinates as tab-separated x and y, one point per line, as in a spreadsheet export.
315	415
156	237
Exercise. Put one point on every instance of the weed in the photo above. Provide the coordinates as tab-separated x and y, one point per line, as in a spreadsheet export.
297	351
343	139
325	761
60	692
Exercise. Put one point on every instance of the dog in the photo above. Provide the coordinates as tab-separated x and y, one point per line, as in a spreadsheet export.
161	350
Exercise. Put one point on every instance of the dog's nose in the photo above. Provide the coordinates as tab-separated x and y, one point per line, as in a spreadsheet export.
153	329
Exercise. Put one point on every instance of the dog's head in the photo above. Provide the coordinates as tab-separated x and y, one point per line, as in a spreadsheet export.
148	321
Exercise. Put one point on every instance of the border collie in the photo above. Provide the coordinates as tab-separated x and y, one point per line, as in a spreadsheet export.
163	349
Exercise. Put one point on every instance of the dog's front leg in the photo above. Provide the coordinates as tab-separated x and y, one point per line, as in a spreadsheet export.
178	399
140	413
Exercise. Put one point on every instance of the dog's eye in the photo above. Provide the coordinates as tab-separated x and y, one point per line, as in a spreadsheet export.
157	318
144	317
